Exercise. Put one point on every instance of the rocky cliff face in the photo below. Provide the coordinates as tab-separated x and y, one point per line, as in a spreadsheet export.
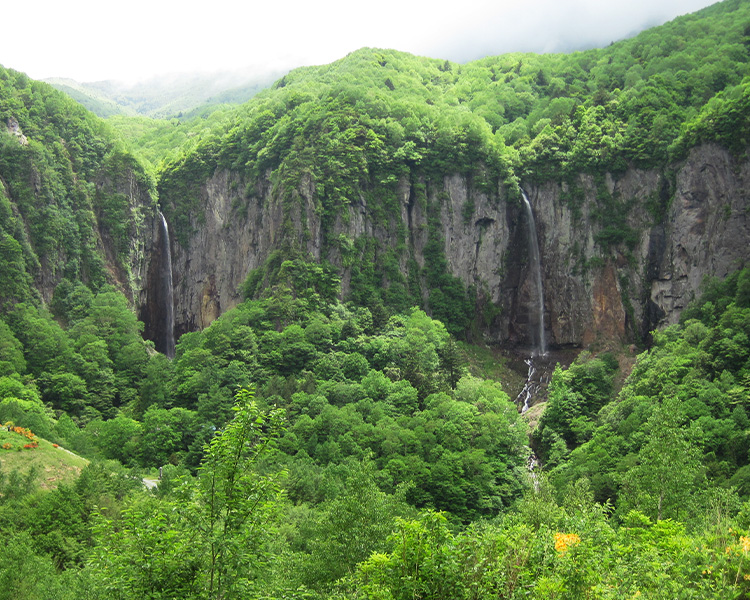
152	301
129	270
626	292
124	254
620	254
707	231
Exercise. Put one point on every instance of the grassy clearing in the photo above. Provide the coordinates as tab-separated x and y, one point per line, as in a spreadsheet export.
492	363
53	465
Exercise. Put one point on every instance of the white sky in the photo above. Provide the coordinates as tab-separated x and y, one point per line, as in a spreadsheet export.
91	40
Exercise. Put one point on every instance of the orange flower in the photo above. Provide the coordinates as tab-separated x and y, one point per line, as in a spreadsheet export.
745	541
563	541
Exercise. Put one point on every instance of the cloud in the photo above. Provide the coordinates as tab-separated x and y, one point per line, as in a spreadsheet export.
90	40
553	26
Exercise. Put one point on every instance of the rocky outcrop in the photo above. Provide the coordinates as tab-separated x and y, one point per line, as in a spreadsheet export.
707	231
15	130
232	236
675	227
125	267
153	302
625	292
128	270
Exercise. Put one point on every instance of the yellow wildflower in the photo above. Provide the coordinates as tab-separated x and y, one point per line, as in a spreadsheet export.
563	541
745	541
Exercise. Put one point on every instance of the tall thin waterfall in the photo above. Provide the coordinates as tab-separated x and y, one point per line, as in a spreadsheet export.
167	288
540	341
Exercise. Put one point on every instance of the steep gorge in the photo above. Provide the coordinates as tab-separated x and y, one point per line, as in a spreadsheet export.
404	175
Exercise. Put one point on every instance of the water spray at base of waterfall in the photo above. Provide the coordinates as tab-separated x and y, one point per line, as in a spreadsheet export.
537	379
531	465
528	389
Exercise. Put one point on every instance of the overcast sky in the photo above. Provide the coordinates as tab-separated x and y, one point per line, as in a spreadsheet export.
90	40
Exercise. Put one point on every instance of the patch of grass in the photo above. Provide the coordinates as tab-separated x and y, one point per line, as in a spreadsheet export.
533	415
54	465
491	363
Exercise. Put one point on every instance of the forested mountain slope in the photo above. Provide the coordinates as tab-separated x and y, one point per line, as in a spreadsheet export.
403	173
316	448
324	483
76	240
75	204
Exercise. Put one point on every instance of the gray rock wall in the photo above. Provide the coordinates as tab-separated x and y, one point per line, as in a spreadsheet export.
591	291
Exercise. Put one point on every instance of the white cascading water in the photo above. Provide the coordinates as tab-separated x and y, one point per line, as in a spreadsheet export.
167	288
540	343
533	382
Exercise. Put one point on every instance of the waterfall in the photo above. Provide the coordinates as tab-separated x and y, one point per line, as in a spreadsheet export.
540	341
541	367
539	370
167	288
529	389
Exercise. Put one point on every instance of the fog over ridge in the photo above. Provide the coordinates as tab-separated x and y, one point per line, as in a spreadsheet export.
90	41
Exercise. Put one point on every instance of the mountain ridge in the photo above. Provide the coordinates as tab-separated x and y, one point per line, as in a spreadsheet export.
374	164
167	96
399	171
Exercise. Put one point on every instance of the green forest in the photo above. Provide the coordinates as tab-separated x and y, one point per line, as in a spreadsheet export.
361	125
312	444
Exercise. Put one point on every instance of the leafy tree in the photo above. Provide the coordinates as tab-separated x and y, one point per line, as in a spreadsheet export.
165	435
46	346
65	391
420	563
148	553
575	396
117	438
237	503
25	575
667	467
350	526
209	540
71	302
14	281
11	352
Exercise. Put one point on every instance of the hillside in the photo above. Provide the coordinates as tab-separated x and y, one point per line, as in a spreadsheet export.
75	204
403	173
91	99
174	96
50	464
312	314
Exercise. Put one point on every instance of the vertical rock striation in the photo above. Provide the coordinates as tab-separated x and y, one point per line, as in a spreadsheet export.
620	253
